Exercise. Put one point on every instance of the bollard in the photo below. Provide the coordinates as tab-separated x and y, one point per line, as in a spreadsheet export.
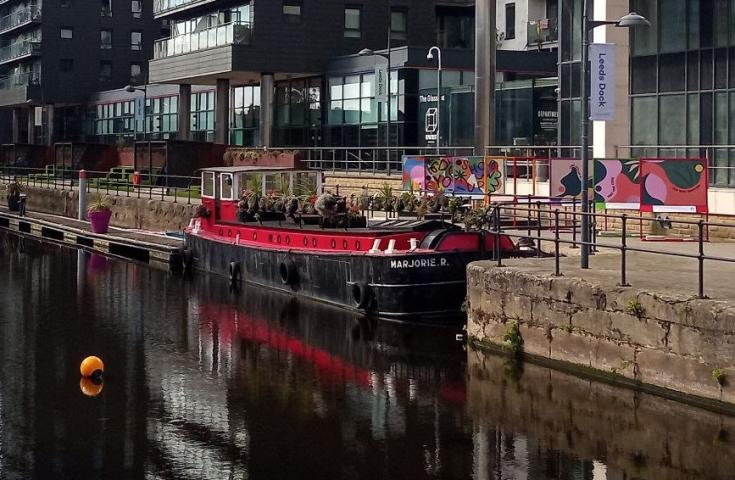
82	215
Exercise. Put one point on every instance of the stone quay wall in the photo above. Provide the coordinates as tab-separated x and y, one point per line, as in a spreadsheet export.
677	345
127	212
636	435
355	183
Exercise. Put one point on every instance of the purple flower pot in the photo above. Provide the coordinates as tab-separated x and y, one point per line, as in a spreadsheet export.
99	220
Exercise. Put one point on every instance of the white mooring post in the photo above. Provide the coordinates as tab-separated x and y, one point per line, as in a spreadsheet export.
82	215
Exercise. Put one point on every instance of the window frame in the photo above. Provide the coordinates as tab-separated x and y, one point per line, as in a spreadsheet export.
353	32
67	29
292	18
510	27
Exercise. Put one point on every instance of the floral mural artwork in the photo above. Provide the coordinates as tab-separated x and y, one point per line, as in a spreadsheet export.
674	183
453	175
414	174
617	183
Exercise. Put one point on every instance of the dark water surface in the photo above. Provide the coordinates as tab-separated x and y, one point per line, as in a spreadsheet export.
204	383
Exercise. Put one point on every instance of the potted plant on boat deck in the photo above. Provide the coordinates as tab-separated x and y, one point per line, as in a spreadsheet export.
14	191
99	213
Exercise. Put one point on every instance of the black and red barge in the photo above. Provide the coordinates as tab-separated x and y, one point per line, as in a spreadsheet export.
400	269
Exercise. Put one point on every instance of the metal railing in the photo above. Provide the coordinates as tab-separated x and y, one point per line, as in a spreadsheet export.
19	49
150	185
20	17
161	6
378	160
545	30
539	217
233	33
18	80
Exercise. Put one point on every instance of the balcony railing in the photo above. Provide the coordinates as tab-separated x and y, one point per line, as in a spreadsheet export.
19	18
543	31
235	33
19	50
161	6
19	80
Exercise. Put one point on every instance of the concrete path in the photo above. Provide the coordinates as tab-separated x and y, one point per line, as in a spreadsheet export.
661	271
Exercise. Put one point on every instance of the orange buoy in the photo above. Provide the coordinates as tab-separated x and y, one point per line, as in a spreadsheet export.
92	367
89	387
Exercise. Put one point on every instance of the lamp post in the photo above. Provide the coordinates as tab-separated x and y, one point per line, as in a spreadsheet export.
430	56
630	20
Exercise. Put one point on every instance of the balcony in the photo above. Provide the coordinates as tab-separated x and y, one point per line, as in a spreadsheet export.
18	88
19	50
20	18
542	32
235	33
167	7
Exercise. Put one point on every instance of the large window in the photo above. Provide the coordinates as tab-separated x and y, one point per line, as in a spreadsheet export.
246	116
136	40
455	27
202	116
297	111
510	21
352	22
398	25
683	81
112	120
162	117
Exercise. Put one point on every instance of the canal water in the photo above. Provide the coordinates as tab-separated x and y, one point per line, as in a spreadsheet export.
207	383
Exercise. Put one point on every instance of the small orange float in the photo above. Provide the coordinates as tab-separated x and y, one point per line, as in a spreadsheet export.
92	367
89	387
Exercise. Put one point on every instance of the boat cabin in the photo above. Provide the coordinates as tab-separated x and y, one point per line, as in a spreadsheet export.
223	187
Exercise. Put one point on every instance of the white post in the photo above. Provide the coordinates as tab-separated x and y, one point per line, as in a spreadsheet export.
82	214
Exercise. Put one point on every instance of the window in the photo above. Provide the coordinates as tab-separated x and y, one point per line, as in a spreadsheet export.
65	3
136	40
510	21
398	23
136	7
106	8
105	39
105	71
455	28
66	65
292	12
136	73
67	32
352	22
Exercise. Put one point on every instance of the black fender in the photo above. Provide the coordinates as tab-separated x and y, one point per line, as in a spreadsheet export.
362	294
187	260
235	272
287	271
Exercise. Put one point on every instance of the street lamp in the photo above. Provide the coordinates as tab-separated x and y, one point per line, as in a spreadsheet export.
430	56
630	20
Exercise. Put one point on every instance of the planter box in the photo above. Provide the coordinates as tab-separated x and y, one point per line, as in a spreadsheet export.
99	221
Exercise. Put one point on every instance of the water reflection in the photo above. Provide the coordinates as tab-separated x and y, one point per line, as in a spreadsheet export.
204	383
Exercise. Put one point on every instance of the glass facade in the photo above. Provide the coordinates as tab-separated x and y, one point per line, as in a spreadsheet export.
570	54
298	112
683	79
245	129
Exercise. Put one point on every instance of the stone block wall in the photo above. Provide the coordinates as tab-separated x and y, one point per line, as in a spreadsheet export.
636	435
354	183
127	212
676	343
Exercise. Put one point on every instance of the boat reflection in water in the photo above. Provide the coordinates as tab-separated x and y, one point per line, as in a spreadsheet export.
202	382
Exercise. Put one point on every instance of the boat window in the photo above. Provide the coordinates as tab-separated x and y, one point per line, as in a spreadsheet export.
226	186
208	184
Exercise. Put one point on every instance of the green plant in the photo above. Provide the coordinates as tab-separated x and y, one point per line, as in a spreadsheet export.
634	307
255	184
719	376
99	203
513	339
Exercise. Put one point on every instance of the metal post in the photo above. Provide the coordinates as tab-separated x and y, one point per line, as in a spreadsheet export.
584	94
623	252
701	259
557	270
538	228
498	252
82	214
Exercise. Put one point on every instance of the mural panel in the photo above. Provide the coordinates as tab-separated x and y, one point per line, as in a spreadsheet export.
673	184
617	184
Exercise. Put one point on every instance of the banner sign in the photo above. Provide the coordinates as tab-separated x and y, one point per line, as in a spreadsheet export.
602	81
381	83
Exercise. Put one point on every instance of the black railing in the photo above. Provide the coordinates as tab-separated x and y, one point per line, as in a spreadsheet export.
379	160
552	218
116	182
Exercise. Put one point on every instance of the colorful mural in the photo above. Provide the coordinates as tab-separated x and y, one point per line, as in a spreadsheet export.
453	175
617	184
565	178
673	183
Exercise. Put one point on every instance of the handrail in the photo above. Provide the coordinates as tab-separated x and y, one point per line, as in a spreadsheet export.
233	33
150	184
